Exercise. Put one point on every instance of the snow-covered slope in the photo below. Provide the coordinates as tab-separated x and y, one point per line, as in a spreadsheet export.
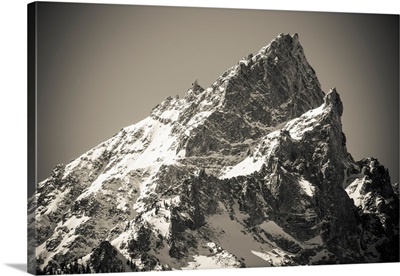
252	171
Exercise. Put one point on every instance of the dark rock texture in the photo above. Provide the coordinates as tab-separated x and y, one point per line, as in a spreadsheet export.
252	171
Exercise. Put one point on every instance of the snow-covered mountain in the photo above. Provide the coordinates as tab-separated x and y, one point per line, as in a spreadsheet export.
252	171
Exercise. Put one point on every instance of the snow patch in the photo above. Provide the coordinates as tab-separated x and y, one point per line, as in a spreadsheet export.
275	230
354	191
54	204
323	254
255	161
219	259
316	241
96	186
159	220
307	187
246	167
73	222
171	114
306	122
196	121
234	238
275	257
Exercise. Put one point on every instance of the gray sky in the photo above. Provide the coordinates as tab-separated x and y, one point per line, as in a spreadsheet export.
104	67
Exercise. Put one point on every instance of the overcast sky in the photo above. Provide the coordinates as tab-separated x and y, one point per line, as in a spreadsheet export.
104	67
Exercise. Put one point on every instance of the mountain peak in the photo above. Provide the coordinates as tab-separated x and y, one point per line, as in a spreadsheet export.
193	91
259	156
333	99
278	81
285	41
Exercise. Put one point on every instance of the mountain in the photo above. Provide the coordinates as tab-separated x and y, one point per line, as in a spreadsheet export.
252	171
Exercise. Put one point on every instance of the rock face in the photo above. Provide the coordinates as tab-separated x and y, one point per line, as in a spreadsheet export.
253	171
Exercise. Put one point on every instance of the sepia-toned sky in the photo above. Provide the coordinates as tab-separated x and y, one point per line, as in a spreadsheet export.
104	67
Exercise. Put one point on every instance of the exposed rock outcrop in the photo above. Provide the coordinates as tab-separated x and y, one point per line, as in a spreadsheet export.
252	171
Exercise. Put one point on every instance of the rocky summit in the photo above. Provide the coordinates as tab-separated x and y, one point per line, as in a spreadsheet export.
250	172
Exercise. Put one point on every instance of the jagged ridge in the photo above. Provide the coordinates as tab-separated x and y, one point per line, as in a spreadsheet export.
253	171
